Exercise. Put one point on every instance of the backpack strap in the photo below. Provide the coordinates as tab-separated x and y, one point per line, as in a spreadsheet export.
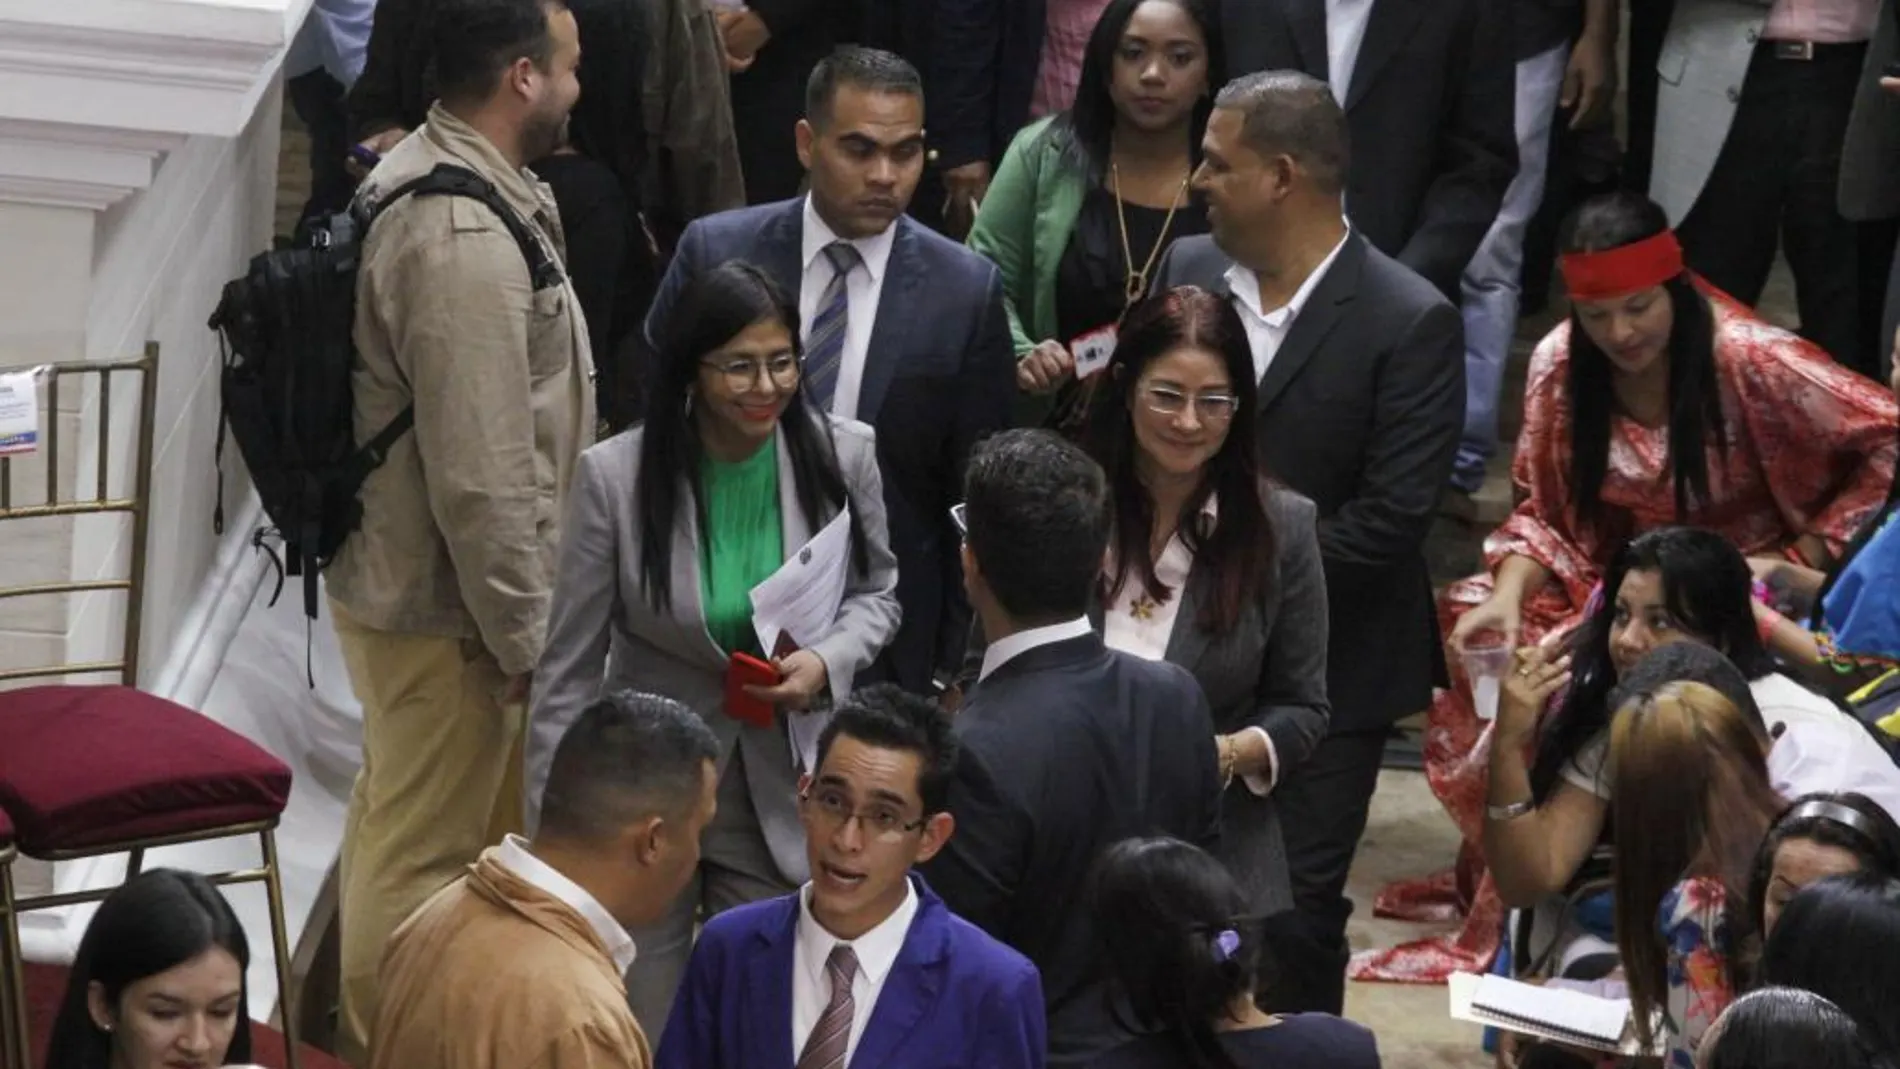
453	180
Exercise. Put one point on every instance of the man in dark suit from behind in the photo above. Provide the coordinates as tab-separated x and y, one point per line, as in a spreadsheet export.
1361	406
1428	87
1067	746
901	328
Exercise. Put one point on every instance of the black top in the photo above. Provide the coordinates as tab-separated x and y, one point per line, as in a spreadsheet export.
1066	748
1299	1041
1541	25
1091	279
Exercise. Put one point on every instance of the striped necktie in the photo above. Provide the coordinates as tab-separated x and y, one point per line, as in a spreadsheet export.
831	1039
824	350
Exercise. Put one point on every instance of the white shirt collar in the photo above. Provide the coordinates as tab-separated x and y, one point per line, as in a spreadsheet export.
1246	286
874	250
876	949
515	856
1004	650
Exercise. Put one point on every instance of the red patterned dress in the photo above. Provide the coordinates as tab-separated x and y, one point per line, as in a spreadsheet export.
1810	449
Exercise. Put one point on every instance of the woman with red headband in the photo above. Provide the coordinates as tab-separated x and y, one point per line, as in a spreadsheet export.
1661	401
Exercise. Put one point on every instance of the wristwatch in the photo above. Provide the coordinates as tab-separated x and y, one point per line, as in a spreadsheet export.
1509	812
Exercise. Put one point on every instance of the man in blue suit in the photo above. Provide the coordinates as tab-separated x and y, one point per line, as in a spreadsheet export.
864	966
902	328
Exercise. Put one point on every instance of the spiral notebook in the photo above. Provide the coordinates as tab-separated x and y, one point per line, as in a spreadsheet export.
1572	1017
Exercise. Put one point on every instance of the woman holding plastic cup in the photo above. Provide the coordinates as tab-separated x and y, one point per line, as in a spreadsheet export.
1660	401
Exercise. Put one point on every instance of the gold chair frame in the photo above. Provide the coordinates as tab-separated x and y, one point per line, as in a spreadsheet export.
137	506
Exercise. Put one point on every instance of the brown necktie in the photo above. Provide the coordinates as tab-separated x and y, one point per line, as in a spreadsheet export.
825	1049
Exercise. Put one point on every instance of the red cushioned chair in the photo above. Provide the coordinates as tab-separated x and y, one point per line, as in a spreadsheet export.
90	770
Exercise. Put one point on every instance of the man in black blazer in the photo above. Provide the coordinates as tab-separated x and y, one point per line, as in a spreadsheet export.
904	329
1428	87
1067	746
1361	407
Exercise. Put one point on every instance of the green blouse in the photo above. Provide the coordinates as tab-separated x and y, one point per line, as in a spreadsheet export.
741	545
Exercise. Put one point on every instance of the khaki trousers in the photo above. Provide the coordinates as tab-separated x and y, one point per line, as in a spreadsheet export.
441	780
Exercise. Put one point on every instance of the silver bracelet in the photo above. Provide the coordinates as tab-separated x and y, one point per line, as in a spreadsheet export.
1509	812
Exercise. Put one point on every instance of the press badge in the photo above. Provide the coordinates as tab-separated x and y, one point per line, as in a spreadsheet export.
1093	350
19	412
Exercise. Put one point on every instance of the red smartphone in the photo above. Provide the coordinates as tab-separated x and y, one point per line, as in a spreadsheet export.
745	669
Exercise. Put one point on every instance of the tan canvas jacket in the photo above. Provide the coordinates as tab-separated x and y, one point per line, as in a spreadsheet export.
495	973
461	522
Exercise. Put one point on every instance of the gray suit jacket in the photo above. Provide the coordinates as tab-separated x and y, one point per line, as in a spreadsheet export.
1269	672
1704	61
604	635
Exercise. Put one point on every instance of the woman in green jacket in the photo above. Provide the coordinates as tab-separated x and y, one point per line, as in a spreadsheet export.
1086	202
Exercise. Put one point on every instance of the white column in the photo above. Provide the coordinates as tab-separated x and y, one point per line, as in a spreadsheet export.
138	164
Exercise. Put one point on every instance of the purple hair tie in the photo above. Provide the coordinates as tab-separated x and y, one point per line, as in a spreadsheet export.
1226	944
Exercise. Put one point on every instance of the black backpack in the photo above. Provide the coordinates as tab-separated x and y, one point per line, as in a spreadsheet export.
286	334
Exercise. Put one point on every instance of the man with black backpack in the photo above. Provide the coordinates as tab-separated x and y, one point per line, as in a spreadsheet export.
467	328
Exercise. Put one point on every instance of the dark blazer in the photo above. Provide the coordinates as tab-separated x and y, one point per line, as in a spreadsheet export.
1267	671
956	998
980	75
1067	748
1430	110
941	374
1361	411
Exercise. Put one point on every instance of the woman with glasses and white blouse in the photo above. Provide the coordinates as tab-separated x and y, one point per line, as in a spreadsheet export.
1209	565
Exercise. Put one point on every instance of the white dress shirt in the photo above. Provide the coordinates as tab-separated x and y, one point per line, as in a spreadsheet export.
877	952
862	288
1147	632
1004	650
1345	30
515	857
1266	331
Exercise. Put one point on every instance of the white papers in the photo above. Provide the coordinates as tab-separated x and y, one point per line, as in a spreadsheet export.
1093	351
800	601
1550	1013
20	411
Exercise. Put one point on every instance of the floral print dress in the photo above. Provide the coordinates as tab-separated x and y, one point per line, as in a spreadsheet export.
1695	928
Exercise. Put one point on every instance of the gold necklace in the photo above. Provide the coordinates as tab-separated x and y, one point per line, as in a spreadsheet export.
1135	283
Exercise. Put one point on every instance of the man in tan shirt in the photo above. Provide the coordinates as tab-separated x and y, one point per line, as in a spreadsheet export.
441	597
518	965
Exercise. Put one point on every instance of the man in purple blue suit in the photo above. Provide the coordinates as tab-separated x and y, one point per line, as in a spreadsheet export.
864	966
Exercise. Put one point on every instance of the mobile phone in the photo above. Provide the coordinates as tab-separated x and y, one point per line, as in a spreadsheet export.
746	670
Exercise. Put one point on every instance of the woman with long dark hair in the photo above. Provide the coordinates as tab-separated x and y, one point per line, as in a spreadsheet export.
1086	202
1692	803
158	982
1658	402
1787	1028
671	526
1840	938
1183	955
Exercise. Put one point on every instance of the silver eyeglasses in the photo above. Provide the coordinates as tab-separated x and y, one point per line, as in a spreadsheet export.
742	374
1209	407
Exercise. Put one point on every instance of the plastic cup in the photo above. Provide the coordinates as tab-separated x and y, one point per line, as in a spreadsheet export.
1486	661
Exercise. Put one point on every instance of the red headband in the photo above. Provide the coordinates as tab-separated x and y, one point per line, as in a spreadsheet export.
1596	276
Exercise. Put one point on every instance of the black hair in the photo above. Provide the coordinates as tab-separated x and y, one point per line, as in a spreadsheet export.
1788	1028
872	70
477	40
1287	113
1240	547
1690	662
629	756
716	306
888	717
1874	839
1179	946
1706	586
1840	938
1695	398
1037	511
1086	130
154	922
